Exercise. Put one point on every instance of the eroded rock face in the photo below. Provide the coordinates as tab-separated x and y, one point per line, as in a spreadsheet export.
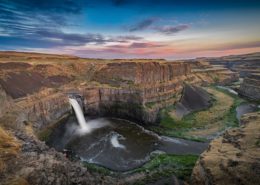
5	102
143	72
251	87
193	98
44	111
244	64
232	158
217	74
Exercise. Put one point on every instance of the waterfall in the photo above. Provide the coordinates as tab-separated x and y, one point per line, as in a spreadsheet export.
79	114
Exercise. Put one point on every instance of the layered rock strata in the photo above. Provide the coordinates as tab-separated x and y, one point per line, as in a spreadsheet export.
250	87
243	64
132	89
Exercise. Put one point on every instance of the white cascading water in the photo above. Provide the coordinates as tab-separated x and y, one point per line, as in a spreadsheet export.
114	140
79	114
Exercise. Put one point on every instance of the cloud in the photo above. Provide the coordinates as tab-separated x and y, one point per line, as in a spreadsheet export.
39	24
168	30
145	45
44	38
137	45
73	38
142	25
25	16
129	37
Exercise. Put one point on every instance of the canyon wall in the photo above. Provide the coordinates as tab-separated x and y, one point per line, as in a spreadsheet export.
250	87
131	89
41	111
213	74
245	64
140	89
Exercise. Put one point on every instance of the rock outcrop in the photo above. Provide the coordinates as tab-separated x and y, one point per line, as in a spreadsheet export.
250	87
5	102
38	164
232	158
45	111
193	98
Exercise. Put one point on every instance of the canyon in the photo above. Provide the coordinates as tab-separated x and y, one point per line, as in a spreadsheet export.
34	90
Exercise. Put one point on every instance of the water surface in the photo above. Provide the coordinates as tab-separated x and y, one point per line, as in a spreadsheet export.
117	144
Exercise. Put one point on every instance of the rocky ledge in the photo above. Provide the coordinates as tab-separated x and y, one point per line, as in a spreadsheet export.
233	158
36	163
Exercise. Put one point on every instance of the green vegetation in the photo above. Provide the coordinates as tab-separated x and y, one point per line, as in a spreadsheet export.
150	104
230	117
172	98
216	79
159	167
44	134
198	125
166	165
97	169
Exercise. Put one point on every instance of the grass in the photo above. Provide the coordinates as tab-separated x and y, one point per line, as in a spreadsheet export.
160	166
231	116
198	125
257	143
9	148
97	169
166	165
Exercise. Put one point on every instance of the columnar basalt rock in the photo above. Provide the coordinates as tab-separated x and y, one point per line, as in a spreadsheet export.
44	111
141	89
141	72
250	87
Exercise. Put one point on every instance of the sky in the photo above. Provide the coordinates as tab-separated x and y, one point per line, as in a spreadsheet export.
170	29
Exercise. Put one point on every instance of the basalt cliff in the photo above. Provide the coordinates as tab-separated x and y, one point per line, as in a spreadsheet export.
133	89
250	87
